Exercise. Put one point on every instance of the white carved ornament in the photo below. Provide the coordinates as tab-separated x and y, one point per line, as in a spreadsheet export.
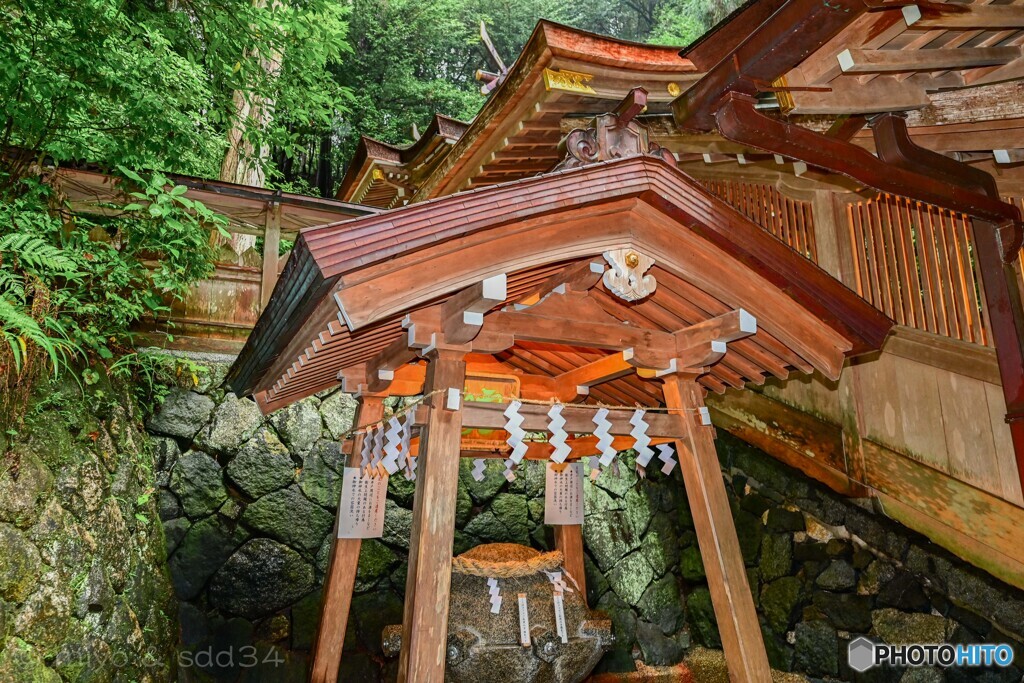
626	278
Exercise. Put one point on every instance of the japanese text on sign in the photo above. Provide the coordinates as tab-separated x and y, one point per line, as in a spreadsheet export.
563	494
361	512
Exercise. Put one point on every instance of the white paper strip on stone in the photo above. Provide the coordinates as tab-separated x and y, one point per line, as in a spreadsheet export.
594	463
361	510
641	471
509	472
558	435
642	441
392	444
604	438
560	628
479	466
667	456
494	590
524	621
516	435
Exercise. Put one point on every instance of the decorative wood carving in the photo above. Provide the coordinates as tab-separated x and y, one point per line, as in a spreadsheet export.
626	279
612	136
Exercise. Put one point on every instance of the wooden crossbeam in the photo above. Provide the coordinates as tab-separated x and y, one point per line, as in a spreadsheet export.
579	419
579	380
463	314
854	60
960	17
578	277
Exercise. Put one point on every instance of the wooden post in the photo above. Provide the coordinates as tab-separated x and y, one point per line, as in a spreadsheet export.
569	539
271	245
341	574
425	621
832	236
716	536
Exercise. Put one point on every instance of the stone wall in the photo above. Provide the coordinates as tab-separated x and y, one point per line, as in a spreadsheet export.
84	595
247	505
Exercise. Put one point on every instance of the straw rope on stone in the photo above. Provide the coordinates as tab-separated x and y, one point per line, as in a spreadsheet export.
505	561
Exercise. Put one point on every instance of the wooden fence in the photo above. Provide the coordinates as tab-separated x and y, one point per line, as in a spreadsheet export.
788	219
915	262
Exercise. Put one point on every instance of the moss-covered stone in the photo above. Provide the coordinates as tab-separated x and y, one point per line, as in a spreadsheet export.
898	628
198	483
206	545
338	410
262	465
299	424
691	566
289	517
21	500
21	663
816	648
320	482
776	556
661	604
233	423
260	578
375	562
700	615
779	600
482	492
630	577
19	564
182	414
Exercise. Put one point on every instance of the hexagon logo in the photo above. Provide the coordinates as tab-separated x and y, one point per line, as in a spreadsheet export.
861	654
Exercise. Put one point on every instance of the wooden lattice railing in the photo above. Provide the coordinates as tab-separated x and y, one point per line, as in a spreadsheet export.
915	262
788	219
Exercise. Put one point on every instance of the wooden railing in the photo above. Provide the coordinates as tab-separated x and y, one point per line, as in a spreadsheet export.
915	262
788	219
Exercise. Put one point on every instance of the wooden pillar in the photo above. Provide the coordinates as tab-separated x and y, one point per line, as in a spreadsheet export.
569	539
271	245
427	588
340	579
716	537
832	235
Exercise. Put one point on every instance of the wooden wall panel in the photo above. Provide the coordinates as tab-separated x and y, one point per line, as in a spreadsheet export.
1005	459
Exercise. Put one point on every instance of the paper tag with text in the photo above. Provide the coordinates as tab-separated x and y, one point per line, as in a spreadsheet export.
563	633
361	511
563	494
524	622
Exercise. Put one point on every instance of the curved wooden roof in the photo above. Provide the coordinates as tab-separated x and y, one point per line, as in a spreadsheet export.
347	286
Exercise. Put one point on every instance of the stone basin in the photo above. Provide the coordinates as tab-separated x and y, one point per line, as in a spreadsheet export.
486	646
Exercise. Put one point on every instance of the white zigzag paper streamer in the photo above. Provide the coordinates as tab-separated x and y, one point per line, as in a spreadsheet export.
478	469
558	435
667	456
366	451
495	592
378	449
516	434
557	582
639	433
408	461
595	467
604	437
392	441
641	471
403	442
569	576
510	475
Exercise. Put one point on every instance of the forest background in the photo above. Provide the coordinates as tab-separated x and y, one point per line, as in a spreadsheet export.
272	93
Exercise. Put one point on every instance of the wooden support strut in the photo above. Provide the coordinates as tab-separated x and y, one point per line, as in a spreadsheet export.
716	536
340	579
425	621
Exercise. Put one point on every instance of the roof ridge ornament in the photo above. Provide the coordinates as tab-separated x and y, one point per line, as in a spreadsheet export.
614	135
491	80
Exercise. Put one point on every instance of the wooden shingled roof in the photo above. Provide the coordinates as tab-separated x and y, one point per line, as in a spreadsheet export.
347	287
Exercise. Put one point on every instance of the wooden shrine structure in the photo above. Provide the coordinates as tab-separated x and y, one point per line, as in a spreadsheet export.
633	225
616	279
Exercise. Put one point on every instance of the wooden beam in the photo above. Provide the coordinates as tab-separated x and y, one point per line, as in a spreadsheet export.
569	539
578	419
882	94
854	60
579	381
578	277
951	16
428	584
462	315
340	579
271	245
716	536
